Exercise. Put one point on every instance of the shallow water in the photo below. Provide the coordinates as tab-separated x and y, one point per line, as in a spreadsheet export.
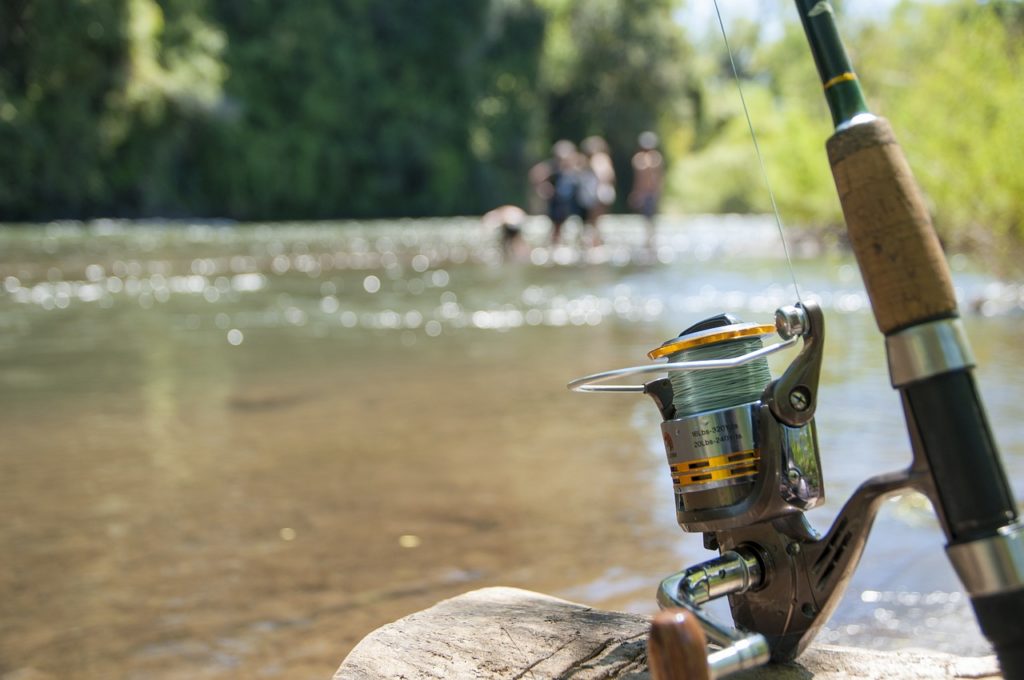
232	451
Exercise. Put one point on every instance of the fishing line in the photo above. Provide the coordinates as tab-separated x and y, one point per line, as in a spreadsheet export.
757	150
700	391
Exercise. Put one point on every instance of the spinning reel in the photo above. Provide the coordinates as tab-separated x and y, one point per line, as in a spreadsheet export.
743	455
742	447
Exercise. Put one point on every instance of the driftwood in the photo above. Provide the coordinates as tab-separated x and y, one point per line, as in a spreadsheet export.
511	633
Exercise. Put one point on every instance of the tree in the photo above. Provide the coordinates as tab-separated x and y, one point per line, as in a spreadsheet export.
949	78
257	109
613	68
508	116
61	63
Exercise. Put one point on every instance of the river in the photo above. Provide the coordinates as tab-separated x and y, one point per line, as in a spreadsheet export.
234	450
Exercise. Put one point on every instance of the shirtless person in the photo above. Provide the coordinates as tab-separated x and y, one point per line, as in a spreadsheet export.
596	193
648	178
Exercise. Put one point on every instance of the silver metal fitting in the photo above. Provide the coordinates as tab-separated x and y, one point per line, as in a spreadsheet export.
790	321
712	456
991	565
800	399
735	571
801	483
750	652
859	119
927	350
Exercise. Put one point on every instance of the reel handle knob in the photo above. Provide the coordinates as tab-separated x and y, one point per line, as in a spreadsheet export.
676	647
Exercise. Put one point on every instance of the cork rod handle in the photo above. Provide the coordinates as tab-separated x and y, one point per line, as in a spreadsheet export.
899	254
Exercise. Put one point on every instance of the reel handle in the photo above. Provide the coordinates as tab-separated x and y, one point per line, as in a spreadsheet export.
682	594
675	647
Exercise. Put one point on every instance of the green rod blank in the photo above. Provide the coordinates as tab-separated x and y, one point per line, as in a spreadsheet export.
842	89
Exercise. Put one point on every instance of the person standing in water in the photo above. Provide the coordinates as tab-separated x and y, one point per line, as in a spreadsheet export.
596	192
557	180
648	179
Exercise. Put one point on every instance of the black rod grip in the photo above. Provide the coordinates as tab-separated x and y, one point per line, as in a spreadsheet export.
974	496
1001	617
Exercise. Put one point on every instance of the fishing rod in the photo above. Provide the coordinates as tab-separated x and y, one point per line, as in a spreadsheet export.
742	447
930	360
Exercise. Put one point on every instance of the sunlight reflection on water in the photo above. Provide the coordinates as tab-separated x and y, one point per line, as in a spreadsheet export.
365	406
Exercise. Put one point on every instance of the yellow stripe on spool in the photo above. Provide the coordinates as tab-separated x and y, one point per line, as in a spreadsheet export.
732	466
697	340
715	461
748	470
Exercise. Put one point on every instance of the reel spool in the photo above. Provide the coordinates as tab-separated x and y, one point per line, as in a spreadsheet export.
737	454
711	439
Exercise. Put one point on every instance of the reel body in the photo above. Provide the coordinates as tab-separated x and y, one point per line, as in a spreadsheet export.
743	455
715	456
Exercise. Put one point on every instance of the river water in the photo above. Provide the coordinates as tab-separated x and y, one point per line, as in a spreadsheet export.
232	451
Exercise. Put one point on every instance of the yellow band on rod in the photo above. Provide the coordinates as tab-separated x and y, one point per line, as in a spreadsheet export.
841	78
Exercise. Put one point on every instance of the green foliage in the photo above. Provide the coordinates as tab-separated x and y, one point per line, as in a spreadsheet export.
956	104
795	126
948	76
61	63
721	172
508	117
722	176
356	109
614	68
153	122
260	109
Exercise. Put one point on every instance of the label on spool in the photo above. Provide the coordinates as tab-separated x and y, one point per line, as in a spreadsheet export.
712	449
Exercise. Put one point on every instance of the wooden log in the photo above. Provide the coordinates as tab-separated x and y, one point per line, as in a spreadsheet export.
512	633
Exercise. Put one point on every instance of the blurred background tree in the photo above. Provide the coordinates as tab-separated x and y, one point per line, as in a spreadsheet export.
61	65
947	74
964	64
381	108
615	68
321	109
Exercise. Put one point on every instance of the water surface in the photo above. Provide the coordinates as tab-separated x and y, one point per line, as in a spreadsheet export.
232	451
